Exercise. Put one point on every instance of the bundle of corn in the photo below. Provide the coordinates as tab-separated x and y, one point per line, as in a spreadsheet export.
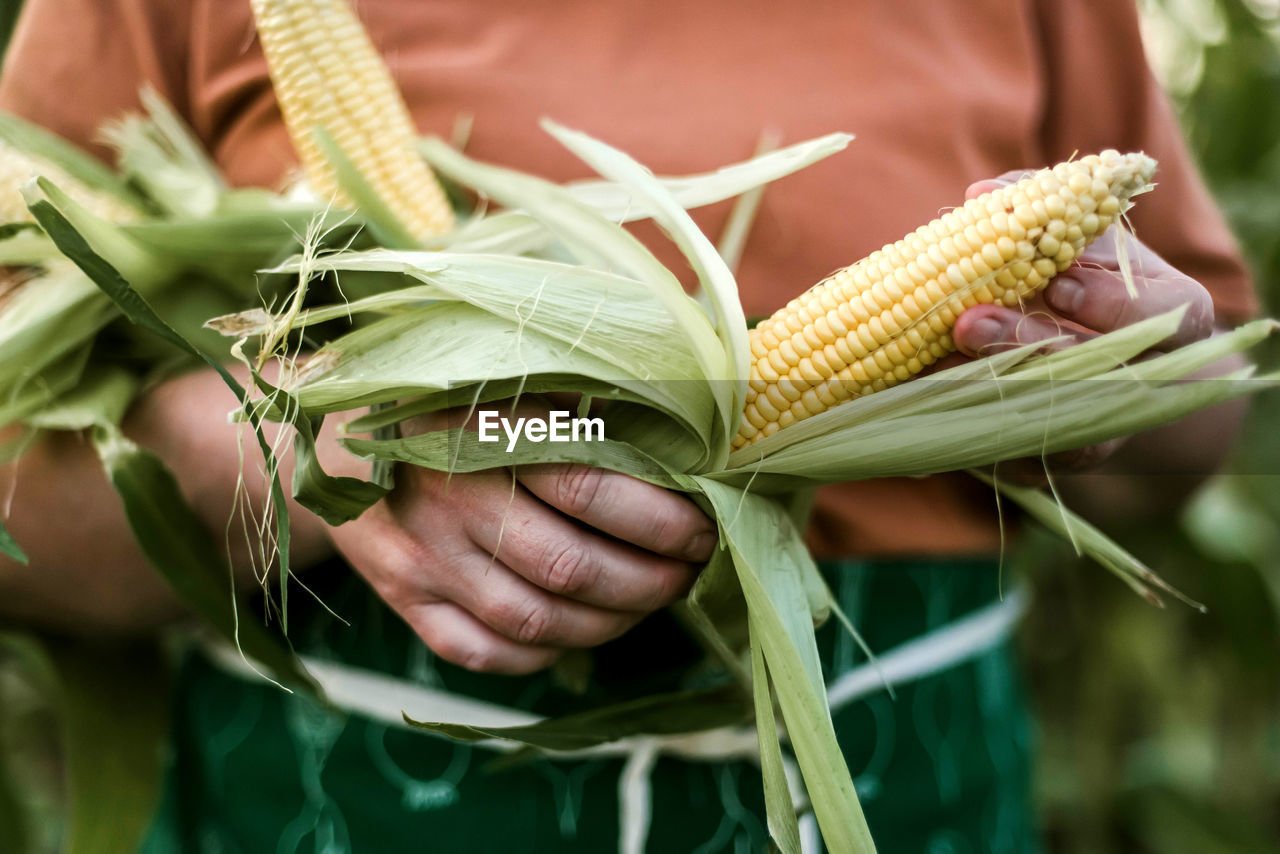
50	310
166	221
553	295
686	387
17	168
147	255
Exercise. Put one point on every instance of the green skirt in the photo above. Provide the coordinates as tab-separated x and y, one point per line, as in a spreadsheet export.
943	768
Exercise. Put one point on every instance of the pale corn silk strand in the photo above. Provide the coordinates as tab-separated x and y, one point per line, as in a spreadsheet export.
887	317
328	75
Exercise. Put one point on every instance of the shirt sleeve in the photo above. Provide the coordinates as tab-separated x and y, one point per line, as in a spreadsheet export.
1102	94
73	65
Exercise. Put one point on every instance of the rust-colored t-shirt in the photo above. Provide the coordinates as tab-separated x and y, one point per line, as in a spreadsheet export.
939	95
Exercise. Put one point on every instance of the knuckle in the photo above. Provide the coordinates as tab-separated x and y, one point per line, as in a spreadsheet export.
668	585
479	658
664	529
1201	315
524	621
576	488
568	567
534	625
464	653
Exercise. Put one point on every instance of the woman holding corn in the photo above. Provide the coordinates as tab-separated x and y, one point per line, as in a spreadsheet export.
584	555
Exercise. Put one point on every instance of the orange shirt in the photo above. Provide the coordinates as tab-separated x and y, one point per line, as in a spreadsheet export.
939	95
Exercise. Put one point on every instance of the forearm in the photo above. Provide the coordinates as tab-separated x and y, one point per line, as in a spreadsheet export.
86	573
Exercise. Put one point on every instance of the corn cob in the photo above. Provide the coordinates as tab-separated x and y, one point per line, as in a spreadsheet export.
327	74
17	168
890	315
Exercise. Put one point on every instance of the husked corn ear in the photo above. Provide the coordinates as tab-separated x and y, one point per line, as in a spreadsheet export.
890	315
17	168
327	74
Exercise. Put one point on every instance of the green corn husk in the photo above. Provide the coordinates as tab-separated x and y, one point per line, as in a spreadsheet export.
166	221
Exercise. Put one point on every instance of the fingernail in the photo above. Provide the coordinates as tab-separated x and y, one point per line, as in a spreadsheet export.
1065	296
985	331
701	546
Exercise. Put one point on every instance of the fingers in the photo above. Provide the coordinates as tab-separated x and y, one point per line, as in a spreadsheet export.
459	638
523	612
1093	292
1034	472
987	329
640	513
559	556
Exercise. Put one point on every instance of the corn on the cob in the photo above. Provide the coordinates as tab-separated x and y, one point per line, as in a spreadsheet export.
327	74
887	317
17	168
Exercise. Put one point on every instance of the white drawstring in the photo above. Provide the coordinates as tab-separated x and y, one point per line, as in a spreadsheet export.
388	698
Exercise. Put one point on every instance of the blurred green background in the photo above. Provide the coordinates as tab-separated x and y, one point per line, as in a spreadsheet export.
1160	729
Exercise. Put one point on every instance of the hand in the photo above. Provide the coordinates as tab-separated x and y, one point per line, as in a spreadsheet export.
1090	298
501	571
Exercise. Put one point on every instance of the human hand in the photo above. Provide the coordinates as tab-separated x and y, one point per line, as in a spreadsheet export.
501	571
1090	298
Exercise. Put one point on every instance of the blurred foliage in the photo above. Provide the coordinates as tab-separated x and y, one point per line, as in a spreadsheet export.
1160	729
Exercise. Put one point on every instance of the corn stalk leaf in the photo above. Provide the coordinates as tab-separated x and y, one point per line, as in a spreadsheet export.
977	422
9	547
617	201
178	545
384	225
28	393
517	233
81	165
715	612
779	809
141	469
24	244
106	239
462	451
1088	540
659	714
46	317
101	397
620	320
159	153
769	555
231	244
596	239
336	500
714	276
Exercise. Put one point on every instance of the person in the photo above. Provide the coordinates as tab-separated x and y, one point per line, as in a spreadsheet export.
940	95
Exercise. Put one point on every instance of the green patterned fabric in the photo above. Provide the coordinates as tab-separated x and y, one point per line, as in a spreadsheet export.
942	769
